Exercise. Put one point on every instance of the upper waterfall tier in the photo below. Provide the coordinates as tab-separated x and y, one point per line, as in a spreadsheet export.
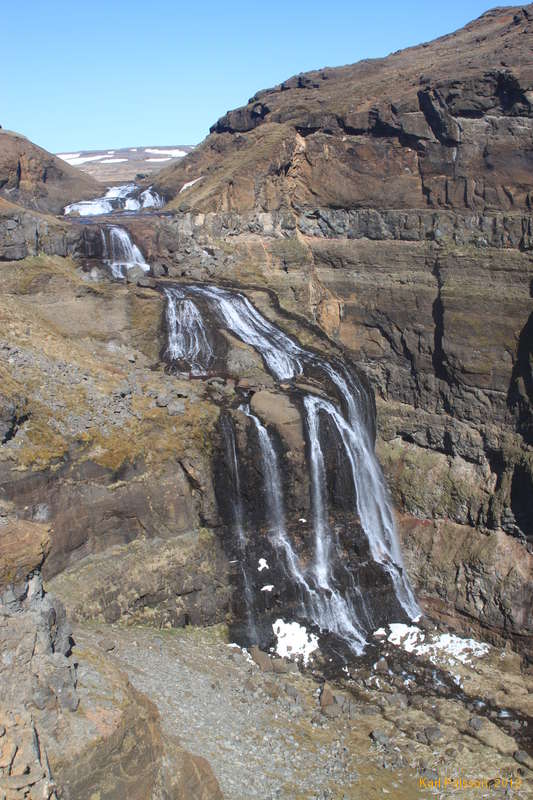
117	198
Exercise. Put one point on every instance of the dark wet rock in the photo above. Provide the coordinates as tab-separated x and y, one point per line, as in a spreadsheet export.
146	282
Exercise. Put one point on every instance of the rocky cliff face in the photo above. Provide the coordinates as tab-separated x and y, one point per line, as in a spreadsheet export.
445	125
389	202
32	177
396	221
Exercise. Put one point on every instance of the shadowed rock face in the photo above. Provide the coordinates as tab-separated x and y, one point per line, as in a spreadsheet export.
32	177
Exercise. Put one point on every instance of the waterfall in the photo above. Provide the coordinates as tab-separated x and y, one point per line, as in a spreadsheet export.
281	354
151	199
342	611
117	198
238	523
120	252
187	338
321	602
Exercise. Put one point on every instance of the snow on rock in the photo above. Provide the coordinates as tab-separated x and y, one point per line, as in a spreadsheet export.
293	640
262	565
445	647
189	184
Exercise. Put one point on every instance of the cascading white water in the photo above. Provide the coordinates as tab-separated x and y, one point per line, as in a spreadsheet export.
372	497
187	337
117	198
238	523
281	354
120	252
345	614
321	601
151	199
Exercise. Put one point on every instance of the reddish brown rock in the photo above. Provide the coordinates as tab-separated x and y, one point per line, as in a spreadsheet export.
446	124
32	177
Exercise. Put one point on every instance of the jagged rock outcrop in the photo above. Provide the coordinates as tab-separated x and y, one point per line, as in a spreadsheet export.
32	177
98	443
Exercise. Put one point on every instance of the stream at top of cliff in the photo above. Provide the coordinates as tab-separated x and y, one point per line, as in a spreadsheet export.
127	197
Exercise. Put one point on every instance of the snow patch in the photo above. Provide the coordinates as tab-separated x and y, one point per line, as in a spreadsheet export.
175	153
262	565
267	588
114	160
77	160
158	160
445	647
293	640
189	184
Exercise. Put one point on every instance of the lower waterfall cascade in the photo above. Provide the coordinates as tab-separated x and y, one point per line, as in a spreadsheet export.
324	592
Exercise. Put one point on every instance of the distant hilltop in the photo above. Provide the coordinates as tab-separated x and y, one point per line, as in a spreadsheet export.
124	163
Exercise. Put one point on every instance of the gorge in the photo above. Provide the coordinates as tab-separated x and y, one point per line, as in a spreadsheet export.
277	395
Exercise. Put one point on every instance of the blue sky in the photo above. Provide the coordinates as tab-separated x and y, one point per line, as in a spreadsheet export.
123	73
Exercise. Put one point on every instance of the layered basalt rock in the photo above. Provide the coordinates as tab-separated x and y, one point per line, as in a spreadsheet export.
434	308
25	233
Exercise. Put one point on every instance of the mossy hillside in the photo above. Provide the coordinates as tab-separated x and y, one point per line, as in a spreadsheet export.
154	436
